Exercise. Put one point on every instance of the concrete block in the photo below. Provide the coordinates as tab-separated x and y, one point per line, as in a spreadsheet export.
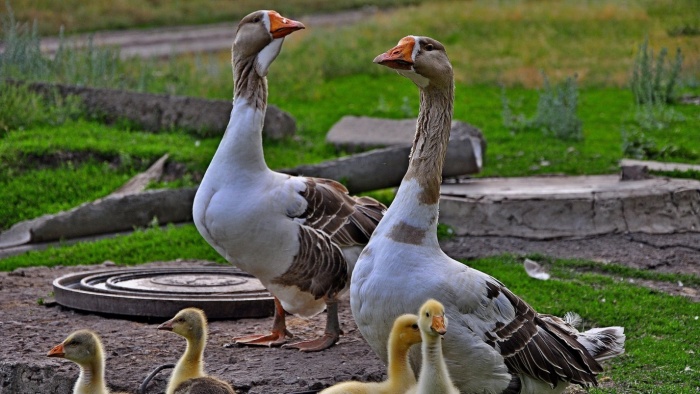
563	207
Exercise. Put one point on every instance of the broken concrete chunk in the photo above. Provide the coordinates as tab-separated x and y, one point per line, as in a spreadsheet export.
108	215
157	112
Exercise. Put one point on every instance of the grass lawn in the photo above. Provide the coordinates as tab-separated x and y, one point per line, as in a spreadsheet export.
53	162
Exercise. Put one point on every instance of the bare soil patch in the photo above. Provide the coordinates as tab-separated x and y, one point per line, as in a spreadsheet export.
133	349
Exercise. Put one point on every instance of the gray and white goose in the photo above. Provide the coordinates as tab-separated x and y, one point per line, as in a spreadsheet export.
497	343
299	236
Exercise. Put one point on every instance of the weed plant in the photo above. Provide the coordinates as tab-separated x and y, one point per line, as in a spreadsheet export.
21	108
557	110
556	113
654	80
22	58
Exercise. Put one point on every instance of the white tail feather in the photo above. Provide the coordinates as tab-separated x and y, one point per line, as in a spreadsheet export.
603	343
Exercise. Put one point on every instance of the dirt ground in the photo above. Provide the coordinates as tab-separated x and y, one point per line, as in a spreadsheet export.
133	349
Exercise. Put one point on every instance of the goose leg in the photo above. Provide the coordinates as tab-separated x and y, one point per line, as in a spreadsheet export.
329	338
277	337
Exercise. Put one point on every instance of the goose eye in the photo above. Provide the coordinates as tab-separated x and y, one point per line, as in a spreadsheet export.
256	20
429	47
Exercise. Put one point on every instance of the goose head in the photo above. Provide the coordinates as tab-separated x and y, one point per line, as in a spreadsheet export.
423	60
432	319
260	35
406	327
82	347
189	323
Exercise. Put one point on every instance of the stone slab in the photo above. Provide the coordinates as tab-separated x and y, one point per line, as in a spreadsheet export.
659	166
362	132
559	207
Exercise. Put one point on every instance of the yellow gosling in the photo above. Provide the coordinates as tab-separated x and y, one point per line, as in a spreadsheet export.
84	348
404	334
434	377
188	376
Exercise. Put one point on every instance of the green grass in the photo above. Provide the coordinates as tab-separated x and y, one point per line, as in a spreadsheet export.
604	112
663	332
143	245
78	15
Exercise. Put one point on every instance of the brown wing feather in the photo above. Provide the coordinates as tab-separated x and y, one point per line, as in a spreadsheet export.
332	220
538	347
319	268
347	220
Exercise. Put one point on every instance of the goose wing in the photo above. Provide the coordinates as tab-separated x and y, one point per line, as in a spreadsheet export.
330	219
530	343
329	208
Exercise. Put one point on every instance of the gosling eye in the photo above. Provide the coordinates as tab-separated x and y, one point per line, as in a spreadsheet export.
429	47
427	314
414	326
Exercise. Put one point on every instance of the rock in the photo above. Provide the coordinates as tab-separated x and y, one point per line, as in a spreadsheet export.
634	173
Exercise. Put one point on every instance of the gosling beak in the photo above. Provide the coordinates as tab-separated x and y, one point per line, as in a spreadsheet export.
438	325
56	351
167	326
399	57
281	26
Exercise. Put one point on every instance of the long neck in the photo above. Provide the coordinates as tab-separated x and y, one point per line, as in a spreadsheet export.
241	148
413	215
399	367
191	363
433	372
91	379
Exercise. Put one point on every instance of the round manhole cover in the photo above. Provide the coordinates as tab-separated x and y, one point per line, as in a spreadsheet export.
222	292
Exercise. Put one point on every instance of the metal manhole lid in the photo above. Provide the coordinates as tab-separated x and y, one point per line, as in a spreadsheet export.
222	292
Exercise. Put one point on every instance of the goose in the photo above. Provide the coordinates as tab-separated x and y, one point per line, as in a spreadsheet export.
434	377
299	236
498	343
188	375
84	348
404	334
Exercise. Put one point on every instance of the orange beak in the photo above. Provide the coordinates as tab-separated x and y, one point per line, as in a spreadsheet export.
281	26
167	326
438	325
56	351
399	57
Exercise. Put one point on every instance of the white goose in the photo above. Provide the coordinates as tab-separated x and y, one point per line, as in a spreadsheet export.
497	342
299	236
84	348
